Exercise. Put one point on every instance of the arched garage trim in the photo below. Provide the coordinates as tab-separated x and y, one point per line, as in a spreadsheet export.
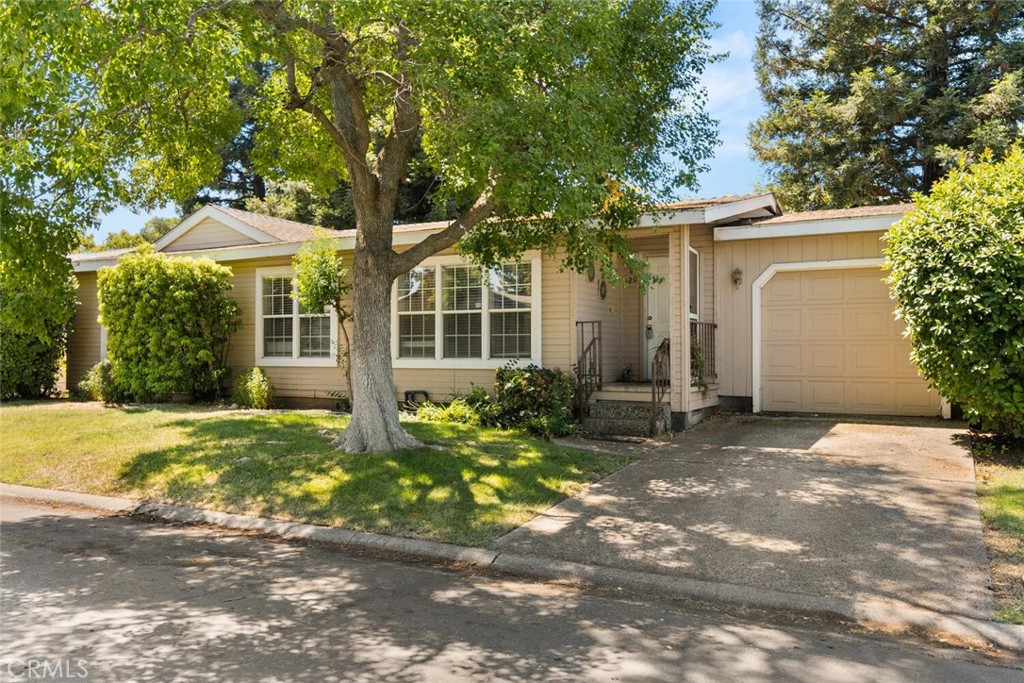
758	287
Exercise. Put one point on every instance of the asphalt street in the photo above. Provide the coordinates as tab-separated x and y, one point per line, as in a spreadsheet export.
86	596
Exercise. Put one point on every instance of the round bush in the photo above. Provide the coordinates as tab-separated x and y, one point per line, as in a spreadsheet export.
957	273
168	322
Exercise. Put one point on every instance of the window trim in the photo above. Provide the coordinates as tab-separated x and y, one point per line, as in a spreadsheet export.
295	361
484	363
695	316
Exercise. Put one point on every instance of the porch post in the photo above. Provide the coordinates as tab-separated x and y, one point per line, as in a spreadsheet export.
680	328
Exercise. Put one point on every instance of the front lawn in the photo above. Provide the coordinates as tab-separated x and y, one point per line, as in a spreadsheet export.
999	469
470	487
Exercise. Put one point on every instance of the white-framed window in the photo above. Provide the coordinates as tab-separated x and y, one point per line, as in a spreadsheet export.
450	313
103	342
694	267
286	333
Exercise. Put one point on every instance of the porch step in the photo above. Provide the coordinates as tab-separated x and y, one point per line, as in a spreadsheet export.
624	418
624	391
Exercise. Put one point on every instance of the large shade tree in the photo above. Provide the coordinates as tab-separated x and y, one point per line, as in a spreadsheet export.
552	122
866	100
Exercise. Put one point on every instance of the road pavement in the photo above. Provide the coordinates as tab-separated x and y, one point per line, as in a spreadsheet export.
95	597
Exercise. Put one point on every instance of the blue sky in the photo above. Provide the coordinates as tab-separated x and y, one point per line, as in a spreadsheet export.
733	99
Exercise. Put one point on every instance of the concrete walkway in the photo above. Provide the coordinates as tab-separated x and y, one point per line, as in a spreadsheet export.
824	508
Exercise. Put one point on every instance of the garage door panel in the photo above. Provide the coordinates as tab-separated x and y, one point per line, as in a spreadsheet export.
870	398
867	284
783	289
784	393
781	324
867	322
824	360
831	344
783	359
827	395
822	286
822	322
913	398
866	359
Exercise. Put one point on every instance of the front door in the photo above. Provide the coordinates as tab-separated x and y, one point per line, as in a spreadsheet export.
656	312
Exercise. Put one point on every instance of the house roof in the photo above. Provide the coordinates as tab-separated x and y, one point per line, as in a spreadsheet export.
828	222
704	202
280	229
834	214
276	237
101	255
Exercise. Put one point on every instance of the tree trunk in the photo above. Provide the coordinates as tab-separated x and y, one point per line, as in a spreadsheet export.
374	426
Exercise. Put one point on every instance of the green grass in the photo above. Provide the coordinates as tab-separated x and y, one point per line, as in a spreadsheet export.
472	486
999	468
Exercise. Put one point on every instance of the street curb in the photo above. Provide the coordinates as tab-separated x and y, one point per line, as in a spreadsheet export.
877	612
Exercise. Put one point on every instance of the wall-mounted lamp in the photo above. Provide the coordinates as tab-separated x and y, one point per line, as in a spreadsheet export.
737	276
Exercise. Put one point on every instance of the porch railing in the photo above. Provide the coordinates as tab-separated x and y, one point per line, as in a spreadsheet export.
702	354
589	369
660	381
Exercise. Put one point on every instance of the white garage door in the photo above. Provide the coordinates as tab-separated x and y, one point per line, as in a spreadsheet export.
830	344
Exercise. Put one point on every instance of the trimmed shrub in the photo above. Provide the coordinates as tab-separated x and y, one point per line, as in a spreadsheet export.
957	272
253	390
537	399
458	411
98	384
168	322
29	363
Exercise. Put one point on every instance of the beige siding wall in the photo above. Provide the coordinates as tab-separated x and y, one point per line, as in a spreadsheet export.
733	304
289	382
209	234
441	383
84	342
558	325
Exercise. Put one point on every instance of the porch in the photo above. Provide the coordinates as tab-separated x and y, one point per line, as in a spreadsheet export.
641	407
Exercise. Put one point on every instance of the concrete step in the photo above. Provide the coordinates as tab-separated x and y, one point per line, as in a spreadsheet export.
624	418
624	409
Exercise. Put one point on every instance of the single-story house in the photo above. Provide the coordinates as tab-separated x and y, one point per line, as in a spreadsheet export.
763	311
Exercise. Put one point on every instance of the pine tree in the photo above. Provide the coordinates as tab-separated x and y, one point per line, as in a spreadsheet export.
866	100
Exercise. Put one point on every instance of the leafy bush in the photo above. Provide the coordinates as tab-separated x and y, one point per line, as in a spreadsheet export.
537	399
253	390
29	363
957	273
168	322
458	411
98	384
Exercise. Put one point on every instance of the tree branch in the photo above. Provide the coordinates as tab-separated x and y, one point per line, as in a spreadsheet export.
349	127
409	259
405	125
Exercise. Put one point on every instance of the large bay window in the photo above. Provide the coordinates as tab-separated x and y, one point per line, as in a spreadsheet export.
452	314
286	333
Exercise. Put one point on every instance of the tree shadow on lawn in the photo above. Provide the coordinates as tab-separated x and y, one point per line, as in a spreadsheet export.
469	486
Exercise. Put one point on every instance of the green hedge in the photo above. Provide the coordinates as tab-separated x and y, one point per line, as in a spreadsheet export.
168	323
29	364
957	272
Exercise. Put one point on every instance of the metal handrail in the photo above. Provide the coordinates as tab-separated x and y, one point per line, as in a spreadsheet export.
702	353
589	368
660	382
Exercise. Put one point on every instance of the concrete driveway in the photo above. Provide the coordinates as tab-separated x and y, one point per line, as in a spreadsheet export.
810	506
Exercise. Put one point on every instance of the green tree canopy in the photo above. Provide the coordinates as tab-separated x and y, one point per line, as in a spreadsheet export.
865	100
537	116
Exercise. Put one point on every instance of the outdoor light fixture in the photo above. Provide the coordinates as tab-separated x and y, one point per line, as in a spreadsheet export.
737	277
